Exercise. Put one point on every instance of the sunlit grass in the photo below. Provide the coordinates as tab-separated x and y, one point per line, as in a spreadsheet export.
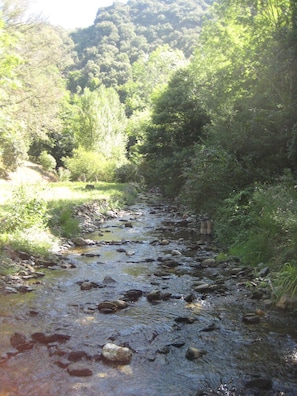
61	199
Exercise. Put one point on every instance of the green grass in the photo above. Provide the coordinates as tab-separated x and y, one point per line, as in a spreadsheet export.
60	200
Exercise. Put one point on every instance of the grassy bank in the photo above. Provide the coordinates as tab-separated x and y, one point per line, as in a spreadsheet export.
35	217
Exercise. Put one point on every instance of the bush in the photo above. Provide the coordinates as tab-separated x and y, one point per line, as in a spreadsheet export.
89	166
260	225
47	161
25	211
128	172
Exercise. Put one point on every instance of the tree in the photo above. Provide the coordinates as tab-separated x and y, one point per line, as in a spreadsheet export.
100	121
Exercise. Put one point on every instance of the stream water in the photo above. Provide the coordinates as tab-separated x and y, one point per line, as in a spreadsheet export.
147	248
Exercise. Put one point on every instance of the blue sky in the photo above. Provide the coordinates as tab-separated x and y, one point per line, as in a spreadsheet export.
69	14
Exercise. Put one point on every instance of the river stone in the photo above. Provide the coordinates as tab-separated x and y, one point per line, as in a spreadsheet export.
202	287
154	295
79	370
287	302
107	307
260	383
75	356
108	280
86	286
115	353
251	318
194	353
133	294
210	262
17	339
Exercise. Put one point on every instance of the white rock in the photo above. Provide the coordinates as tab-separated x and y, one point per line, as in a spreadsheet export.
115	353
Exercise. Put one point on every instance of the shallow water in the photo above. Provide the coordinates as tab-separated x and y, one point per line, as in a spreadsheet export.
235	352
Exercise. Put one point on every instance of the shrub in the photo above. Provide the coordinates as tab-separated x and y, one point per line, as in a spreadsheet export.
47	161
25	211
90	166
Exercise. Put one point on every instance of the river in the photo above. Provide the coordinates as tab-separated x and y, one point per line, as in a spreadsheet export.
186	301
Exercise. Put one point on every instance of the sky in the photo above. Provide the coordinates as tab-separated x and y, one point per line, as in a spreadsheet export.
69	14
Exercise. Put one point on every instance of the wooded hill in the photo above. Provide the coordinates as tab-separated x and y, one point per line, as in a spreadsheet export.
123	33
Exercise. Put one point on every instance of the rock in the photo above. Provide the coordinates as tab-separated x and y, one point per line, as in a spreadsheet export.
251	318
287	302
133	294
112	306
202	287
108	280
260	383
185	319
79	370
75	356
264	272
175	253
17	339
86	286
194	353
128	224
190	297
115	353
25	346
108	307
154	295
210	262
164	242
48	339
79	241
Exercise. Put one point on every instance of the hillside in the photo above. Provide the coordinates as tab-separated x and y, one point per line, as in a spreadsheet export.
122	33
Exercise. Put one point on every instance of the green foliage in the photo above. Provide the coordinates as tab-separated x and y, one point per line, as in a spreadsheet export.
286	282
128	172
123	34
62	221
99	122
47	161
260	225
26	210
90	166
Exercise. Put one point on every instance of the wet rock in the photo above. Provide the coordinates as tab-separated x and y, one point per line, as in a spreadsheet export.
202	287
24	288
210	327
164	242
48	339
259	383
190	297
264	272
154	295
17	339
79	370
287	302
86	286
108	280
107	307
175	253
112	306
185	319
75	356
133	294
79	241
194	353
128	224
10	290
114	353
251	318
25	346
209	262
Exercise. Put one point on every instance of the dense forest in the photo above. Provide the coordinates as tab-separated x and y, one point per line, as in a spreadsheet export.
196	97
